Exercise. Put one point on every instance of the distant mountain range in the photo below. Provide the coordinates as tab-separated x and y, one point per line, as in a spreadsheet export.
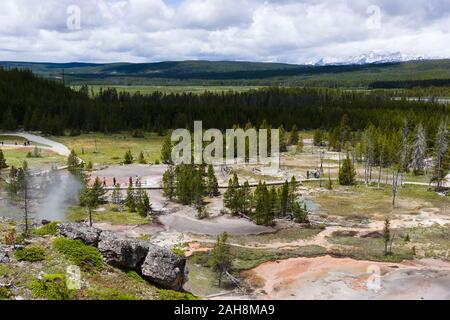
372	57
359	71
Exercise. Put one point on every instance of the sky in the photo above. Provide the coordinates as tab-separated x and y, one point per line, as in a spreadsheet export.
291	31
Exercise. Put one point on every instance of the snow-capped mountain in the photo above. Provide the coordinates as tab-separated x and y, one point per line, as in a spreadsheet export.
371	57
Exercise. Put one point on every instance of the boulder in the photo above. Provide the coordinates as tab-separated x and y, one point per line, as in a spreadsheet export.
80	231
165	268
4	254
122	253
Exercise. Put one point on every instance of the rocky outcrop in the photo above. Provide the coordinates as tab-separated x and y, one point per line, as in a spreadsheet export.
122	253
156	264
4	254
80	231
165	268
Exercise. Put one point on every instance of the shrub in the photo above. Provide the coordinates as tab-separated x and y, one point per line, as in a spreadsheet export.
5	294
84	256
135	276
30	254
109	294
9	238
51	287
164	294
47	230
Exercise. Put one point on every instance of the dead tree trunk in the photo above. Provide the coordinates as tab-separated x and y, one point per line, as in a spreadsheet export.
394	187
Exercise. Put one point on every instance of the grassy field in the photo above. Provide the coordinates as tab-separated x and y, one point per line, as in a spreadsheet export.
143	89
102	149
361	202
16	157
11	139
111	214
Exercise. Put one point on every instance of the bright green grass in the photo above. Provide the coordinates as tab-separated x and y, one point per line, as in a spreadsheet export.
110	215
103	149
16	157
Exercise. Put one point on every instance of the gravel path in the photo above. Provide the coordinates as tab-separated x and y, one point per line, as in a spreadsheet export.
48	144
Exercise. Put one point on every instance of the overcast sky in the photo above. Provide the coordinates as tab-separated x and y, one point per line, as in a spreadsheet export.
294	31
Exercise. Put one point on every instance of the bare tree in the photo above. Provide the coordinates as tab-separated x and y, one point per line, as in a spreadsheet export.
419	150
441	149
395	176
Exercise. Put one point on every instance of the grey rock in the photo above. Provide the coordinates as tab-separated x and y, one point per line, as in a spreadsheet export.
4	254
122	253
165	268
80	231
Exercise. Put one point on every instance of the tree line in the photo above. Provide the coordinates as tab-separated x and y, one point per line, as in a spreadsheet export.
33	103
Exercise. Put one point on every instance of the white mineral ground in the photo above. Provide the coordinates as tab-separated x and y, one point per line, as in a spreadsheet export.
298	278
344	278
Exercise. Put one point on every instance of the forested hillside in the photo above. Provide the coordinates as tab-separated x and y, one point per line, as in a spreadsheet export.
241	73
38	104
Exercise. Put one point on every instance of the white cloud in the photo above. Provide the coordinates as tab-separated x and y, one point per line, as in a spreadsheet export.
284	30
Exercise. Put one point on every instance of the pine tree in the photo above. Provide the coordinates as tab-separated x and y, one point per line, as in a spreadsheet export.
300	213
247	198
166	150
221	257
128	158
212	186
419	151
168	183
116	194
284	199
130	200
405	149
3	164
141	158
300	145
91	197
347	173
143	205
73	163
233	196
282	135
98	192
293	136
318	138
274	205
263	205
292	196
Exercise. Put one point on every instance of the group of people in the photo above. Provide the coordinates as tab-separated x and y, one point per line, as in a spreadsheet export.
313	174
137	181
26	143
